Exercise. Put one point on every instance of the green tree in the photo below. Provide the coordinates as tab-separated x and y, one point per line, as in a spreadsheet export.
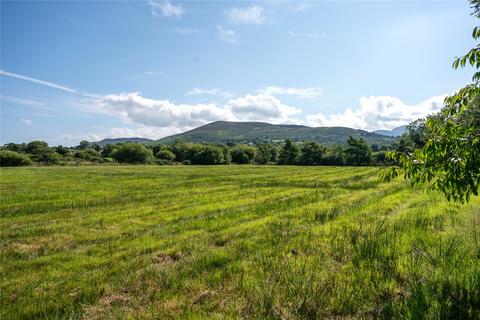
449	160
134	153
40	152
165	154
36	147
13	159
358	152
289	153
266	153
243	154
17	147
311	153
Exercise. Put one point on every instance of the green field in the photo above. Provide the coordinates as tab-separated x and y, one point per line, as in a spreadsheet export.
232	242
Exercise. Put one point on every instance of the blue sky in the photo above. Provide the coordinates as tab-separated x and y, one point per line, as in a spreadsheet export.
89	70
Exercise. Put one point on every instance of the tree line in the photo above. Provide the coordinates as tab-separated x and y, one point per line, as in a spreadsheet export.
356	152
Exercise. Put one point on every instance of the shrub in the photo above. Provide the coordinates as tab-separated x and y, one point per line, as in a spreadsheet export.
89	155
165	154
134	153
242	154
13	159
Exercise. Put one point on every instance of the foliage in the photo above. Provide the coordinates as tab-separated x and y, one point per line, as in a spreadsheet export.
311	153
15	147
13	159
232	242
88	154
243	154
165	154
266	153
132	152
334	156
358	152
449	160
290	153
36	147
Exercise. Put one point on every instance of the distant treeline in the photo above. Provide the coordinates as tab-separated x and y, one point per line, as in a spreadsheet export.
356	152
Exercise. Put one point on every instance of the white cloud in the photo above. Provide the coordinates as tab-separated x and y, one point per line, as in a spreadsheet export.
165	8
211	92
378	112
134	108
227	35
251	15
261	107
305	93
26	121
308	35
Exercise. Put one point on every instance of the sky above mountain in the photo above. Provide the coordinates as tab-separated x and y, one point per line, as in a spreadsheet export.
73	70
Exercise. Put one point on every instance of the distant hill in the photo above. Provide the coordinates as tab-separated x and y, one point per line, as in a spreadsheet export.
222	132
396	132
104	142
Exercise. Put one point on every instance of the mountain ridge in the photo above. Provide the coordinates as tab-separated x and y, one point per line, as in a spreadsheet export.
224	132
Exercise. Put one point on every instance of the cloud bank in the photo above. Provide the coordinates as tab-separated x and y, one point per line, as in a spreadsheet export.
378	112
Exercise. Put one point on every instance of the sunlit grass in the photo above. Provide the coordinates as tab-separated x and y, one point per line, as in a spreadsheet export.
232	242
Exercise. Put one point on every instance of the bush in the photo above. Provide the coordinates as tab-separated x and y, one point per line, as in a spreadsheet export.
89	155
13	159
165	154
134	153
242	154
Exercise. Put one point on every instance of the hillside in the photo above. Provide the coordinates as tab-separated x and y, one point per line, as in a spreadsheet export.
104	142
246	132
395	132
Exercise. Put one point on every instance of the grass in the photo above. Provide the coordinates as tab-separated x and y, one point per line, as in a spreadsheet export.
232	242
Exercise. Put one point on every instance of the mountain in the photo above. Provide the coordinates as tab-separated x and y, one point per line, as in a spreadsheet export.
222	132
104	142
396	132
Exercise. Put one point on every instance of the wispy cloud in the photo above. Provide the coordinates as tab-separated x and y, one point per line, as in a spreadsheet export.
211	92
310	35
165	9
26	121
305	93
227	35
41	82
251	15
46	84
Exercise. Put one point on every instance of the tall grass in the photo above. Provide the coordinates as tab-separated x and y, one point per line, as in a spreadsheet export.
232	242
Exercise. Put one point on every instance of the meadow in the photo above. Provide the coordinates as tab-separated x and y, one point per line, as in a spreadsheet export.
222	242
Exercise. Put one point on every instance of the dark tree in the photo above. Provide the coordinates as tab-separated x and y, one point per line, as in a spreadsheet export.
267	153
290	153
311	153
358	152
243	154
